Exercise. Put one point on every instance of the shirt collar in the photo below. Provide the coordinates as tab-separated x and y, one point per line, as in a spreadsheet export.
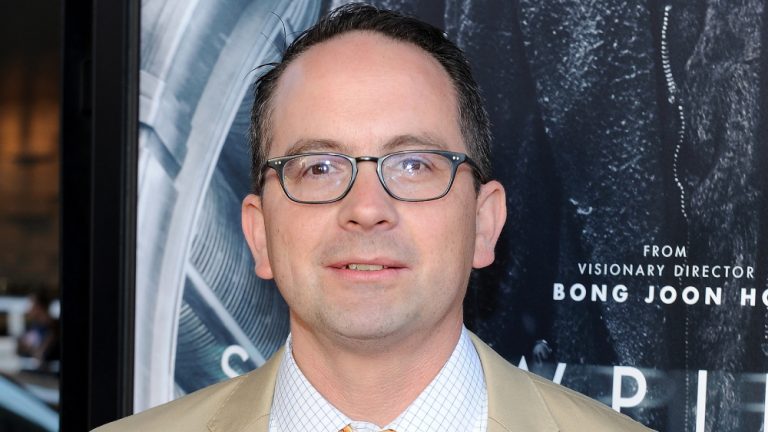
456	399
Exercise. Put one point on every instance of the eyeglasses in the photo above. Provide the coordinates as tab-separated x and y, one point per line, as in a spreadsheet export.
414	175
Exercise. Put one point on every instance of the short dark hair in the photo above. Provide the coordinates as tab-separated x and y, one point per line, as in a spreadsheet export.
472	117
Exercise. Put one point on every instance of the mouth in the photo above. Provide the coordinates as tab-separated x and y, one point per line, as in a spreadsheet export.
367	269
364	267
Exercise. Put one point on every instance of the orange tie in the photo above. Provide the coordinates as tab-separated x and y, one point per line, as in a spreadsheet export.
348	428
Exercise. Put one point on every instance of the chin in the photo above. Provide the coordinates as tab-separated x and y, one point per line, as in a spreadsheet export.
369	330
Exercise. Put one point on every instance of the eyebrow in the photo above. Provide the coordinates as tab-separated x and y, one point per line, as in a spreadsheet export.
305	145
418	141
399	142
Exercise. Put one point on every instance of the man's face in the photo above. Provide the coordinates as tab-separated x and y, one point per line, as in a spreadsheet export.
363	94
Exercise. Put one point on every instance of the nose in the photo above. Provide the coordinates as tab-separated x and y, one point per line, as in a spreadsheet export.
367	206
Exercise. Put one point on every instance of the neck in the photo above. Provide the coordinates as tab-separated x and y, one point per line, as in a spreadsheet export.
373	381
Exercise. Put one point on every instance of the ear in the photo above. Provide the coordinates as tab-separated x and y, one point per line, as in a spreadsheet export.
490	218
256	235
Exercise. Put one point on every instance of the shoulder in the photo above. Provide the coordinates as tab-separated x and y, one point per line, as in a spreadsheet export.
573	411
189	413
245	400
520	400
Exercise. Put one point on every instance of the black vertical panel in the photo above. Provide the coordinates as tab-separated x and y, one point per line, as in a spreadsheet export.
75	215
114	148
99	146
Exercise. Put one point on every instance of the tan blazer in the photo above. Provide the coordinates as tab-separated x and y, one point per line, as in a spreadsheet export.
518	401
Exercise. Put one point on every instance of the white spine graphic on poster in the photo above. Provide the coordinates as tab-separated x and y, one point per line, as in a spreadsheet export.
196	293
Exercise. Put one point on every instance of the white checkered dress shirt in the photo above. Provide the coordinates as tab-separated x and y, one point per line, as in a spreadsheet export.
456	400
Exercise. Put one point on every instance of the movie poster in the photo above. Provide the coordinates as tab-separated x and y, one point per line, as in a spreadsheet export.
201	314
629	137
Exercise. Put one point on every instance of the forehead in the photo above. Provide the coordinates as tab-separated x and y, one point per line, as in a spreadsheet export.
360	90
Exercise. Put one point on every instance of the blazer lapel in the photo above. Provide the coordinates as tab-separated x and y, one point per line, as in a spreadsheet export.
247	408
514	403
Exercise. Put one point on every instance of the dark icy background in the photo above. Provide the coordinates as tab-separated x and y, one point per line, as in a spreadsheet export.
617	125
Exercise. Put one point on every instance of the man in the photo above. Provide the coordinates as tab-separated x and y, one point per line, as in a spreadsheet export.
372	205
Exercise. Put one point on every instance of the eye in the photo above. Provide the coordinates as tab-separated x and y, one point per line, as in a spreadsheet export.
410	165
322	167
319	169
413	165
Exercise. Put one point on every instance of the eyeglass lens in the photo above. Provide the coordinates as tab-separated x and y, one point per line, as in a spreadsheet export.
409	176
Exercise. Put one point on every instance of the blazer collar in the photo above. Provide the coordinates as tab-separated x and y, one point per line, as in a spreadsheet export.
247	407
514	402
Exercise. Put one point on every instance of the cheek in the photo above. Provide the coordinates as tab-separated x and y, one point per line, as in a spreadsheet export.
283	249
293	234
448	235
463	216
279	246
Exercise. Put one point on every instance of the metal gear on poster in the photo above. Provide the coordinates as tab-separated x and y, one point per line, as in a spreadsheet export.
630	138
201	313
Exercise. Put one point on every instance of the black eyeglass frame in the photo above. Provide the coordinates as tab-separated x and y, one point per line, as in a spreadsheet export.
278	164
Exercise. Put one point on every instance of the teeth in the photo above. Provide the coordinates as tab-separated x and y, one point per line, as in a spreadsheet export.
365	267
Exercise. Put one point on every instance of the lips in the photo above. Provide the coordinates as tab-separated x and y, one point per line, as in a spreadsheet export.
365	267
